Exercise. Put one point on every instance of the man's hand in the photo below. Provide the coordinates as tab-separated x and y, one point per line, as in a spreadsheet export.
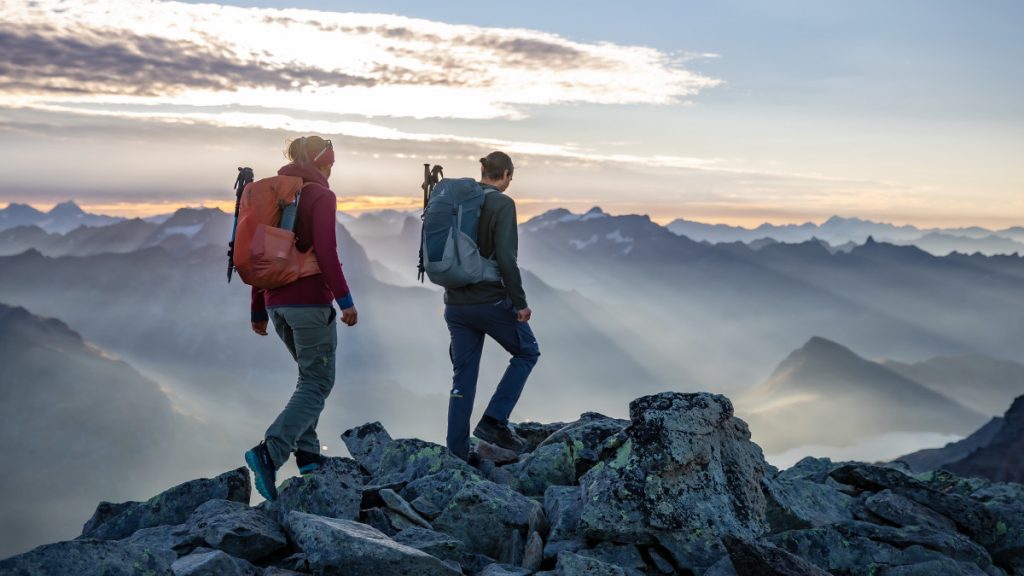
524	314
260	328
349	316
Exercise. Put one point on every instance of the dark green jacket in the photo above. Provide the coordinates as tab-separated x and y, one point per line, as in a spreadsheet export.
499	239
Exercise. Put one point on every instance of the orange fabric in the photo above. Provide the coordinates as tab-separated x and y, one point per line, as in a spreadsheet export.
265	255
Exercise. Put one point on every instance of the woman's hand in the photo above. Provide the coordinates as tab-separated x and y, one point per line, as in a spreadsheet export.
349	316
260	328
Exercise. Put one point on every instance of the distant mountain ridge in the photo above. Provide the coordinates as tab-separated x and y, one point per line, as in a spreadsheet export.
61	219
826	392
838	231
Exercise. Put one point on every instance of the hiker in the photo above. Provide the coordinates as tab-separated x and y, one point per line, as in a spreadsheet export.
303	316
490	308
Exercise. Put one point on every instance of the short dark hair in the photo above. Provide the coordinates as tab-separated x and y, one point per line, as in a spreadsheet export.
494	165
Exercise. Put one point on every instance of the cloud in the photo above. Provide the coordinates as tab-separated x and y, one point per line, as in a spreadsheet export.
168	53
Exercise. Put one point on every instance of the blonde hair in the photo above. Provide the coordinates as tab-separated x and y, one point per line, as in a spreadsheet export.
303	150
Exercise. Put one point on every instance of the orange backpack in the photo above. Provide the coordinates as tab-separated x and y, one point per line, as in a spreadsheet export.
264	254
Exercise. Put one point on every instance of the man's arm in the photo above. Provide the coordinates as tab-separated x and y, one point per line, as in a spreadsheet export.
506	252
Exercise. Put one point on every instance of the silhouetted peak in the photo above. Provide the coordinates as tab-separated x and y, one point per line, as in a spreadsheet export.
17	209
870	241
69	208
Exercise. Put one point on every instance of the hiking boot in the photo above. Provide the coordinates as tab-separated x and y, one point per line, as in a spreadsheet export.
308	462
498	433
263	469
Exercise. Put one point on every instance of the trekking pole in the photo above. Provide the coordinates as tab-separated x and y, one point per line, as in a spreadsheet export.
430	179
245	177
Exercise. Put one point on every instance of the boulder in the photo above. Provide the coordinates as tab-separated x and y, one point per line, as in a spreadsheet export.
119	521
366	444
563	505
90	558
425	508
587	438
439	489
935	567
483	514
901	511
570	564
436	544
175	539
213	563
763	559
505	570
335	547
533	555
237	529
333	490
399	505
950	544
533	433
625	556
549	465
837	553
687	475
795	503
407	460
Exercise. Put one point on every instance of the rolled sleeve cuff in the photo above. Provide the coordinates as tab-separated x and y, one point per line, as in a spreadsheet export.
346	302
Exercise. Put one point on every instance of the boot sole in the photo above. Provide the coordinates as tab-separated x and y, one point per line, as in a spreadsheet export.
261	485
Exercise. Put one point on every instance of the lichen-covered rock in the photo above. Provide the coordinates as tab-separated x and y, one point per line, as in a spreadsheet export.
586	438
336	547
901	511
439	489
436	544
563	505
213	563
934	567
795	503
482	514
407	460
533	433
176	539
425	508
119	521
90	558
549	465
505	570
366	444
625	556
533	555
762	559
688	469
334	490
398	504
237	529
950	544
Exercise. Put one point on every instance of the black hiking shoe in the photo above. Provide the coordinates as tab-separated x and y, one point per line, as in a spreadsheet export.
308	462
263	469
498	433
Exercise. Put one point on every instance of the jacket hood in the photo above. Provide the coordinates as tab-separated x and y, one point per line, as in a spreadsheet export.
307	173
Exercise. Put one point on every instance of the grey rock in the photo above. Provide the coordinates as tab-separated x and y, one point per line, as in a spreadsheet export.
177	539
333	490
533	556
936	567
118	521
951	544
398	504
661	563
502	475
490	453
371	494
437	544
89	558
512	548
398	521
549	465
425	508
335	547
902	511
760	559
625	556
379	520
688	469
721	568
504	570
586	438
483	514
553	549
834	552
213	563
439	489
366	444
237	529
570	564
533	433
407	460
795	503
563	505
274	571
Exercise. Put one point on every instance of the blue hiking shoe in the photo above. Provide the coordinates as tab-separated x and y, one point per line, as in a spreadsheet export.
263	469
308	462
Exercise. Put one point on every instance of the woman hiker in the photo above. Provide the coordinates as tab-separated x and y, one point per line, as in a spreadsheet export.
303	315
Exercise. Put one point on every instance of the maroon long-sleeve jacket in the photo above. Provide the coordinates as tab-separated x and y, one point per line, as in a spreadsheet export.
314	228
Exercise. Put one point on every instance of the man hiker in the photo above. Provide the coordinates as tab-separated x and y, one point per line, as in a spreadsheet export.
303	315
490	308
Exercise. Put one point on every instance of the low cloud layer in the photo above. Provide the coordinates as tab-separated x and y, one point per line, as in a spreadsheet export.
166	53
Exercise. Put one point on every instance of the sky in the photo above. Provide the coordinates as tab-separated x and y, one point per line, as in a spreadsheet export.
731	111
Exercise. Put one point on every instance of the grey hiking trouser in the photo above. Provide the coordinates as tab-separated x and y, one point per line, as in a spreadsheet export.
312	339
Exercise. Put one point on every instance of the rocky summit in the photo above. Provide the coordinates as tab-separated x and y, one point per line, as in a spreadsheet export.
679	488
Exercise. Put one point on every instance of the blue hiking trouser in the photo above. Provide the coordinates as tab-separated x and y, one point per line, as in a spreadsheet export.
311	336
468	324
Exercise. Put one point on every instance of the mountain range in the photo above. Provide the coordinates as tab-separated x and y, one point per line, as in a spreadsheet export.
62	218
838	231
